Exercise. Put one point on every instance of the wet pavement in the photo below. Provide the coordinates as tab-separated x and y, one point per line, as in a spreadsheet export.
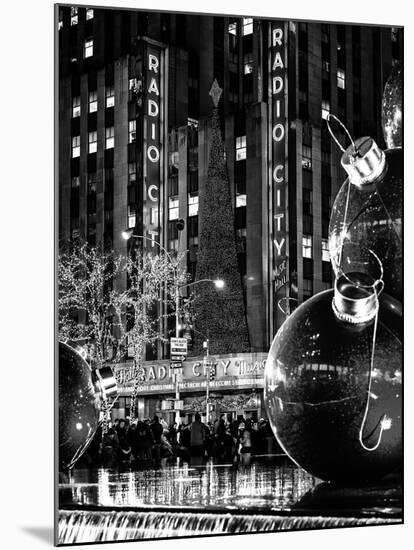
270	494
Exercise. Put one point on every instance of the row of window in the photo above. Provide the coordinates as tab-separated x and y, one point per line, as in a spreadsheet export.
93	141
93	101
173	207
307	245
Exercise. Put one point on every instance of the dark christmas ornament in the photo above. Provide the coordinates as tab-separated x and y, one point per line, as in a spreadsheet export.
80	394
333	382
368	208
392	118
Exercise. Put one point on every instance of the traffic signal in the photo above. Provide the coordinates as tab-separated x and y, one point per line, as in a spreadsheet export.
212	373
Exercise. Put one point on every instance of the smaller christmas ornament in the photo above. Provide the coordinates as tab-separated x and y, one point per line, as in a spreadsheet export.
333	378
392	118
368	207
81	393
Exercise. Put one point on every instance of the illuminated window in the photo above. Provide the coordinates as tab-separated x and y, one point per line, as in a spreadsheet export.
192	205
241	148
132	172
89	13
60	22
241	200
173	208
93	101
76	109
306	157
93	142
340	78
307	246
132	131
232	28
131	216
325	251
75	146
88	48
192	122
109	137
247	26
73	15
248	63
76	181
109	96
326	66
326	109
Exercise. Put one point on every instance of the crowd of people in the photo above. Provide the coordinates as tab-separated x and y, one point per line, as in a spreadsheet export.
145	443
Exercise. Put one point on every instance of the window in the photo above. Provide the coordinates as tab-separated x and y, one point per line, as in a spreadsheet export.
307	288
88	48
307	246
248	63
75	146
109	138
131	216
73	15
76	181
192	205
93	142
132	133
307	202
92	182
233	28
247	26
241	149
192	123
326	109
173	208
341	78
60	22
76	109
93	101
306	157
326	66
325	251
109	96
241	200
89	14
132	172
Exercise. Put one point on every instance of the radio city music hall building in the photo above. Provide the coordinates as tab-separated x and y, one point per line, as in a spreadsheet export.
134	111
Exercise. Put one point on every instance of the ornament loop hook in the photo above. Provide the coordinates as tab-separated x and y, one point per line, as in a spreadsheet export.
346	131
284	304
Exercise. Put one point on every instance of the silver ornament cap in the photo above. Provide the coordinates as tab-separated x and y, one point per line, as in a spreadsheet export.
363	161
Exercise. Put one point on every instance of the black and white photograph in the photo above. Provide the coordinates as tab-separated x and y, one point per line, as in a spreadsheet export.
229	273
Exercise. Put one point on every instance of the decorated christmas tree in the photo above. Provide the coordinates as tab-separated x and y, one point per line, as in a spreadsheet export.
219	313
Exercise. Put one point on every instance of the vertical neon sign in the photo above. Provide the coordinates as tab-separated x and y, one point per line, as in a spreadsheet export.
278	120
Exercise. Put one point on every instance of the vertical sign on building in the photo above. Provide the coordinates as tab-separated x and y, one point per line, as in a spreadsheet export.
154	118
278	169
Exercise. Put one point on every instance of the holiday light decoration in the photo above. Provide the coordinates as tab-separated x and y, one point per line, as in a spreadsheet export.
392	109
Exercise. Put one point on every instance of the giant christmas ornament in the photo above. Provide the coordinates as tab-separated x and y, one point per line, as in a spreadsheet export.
368	208
392	118
80	395
333	382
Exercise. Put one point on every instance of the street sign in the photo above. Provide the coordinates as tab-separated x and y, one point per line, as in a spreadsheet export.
178	346
176	365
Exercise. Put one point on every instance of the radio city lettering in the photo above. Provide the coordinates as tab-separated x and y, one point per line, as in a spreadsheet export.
153	110
234	370
278	135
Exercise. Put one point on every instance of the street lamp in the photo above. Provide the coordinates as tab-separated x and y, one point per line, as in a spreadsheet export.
218	283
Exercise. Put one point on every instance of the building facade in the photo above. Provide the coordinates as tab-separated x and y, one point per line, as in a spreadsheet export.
134	126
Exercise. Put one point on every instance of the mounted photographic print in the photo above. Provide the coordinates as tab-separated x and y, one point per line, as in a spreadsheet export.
229	274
